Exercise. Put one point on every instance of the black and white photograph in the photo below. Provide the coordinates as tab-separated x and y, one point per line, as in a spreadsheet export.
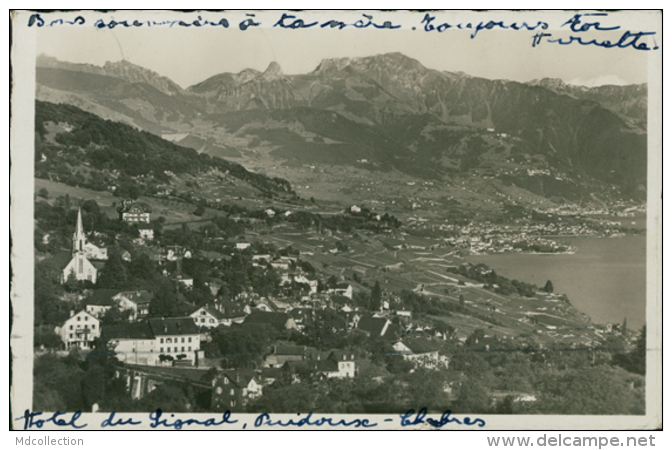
337	219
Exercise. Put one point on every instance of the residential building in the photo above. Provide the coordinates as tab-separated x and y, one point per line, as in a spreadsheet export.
343	289
207	316
283	353
233	389
133	343
94	252
311	283
100	301
134	212
146	231
174	340
332	364
175	337
79	330
135	301
378	326
232	312
422	352
279	321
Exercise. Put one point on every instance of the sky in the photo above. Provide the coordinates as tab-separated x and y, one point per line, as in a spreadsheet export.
191	55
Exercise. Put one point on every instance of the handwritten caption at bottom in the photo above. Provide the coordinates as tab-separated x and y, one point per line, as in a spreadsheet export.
160	420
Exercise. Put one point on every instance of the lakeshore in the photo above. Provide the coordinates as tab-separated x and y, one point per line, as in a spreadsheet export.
605	278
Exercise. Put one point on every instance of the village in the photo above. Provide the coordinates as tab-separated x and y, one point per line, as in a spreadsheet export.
407	311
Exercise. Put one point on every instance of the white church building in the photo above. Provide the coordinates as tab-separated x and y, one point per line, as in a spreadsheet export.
80	266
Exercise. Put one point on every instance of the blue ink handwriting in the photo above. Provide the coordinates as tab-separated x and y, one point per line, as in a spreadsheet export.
30	420
578	23
245	24
199	22
300	23
155	417
427	21
37	20
110	422
408	419
575	21
627	39
265	420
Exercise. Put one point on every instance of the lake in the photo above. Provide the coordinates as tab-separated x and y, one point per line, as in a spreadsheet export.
605	278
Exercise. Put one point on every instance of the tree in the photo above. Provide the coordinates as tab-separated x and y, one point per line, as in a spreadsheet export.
142	268
44	193
114	274
376	297
168	397
473	398
332	282
200	210
548	288
164	303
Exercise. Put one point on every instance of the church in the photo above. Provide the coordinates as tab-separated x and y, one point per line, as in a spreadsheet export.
80	266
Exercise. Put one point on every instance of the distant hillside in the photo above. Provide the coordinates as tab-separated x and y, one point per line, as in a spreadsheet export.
389	111
79	148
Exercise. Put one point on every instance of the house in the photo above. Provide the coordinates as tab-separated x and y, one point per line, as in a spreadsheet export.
270	374
126	256
242	245
79	330
134	212
264	306
79	267
346	366
312	284
302	316
260	260
93	252
283	353
155	341
207	316
133	343
422	352
146	231
175	337
269	213
233	389
280	265
378	327
279	305
100	301
187	282
332	364
279	321
343	289
135	301
355	209
214	286
232	312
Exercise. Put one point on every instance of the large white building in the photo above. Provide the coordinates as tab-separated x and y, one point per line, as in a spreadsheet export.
154	342
79	330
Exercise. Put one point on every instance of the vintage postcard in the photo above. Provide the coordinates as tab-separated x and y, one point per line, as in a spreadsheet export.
228	220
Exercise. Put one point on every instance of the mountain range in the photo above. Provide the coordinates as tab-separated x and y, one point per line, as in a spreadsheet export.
383	113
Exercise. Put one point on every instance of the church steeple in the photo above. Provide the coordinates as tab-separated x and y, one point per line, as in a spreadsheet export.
78	239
